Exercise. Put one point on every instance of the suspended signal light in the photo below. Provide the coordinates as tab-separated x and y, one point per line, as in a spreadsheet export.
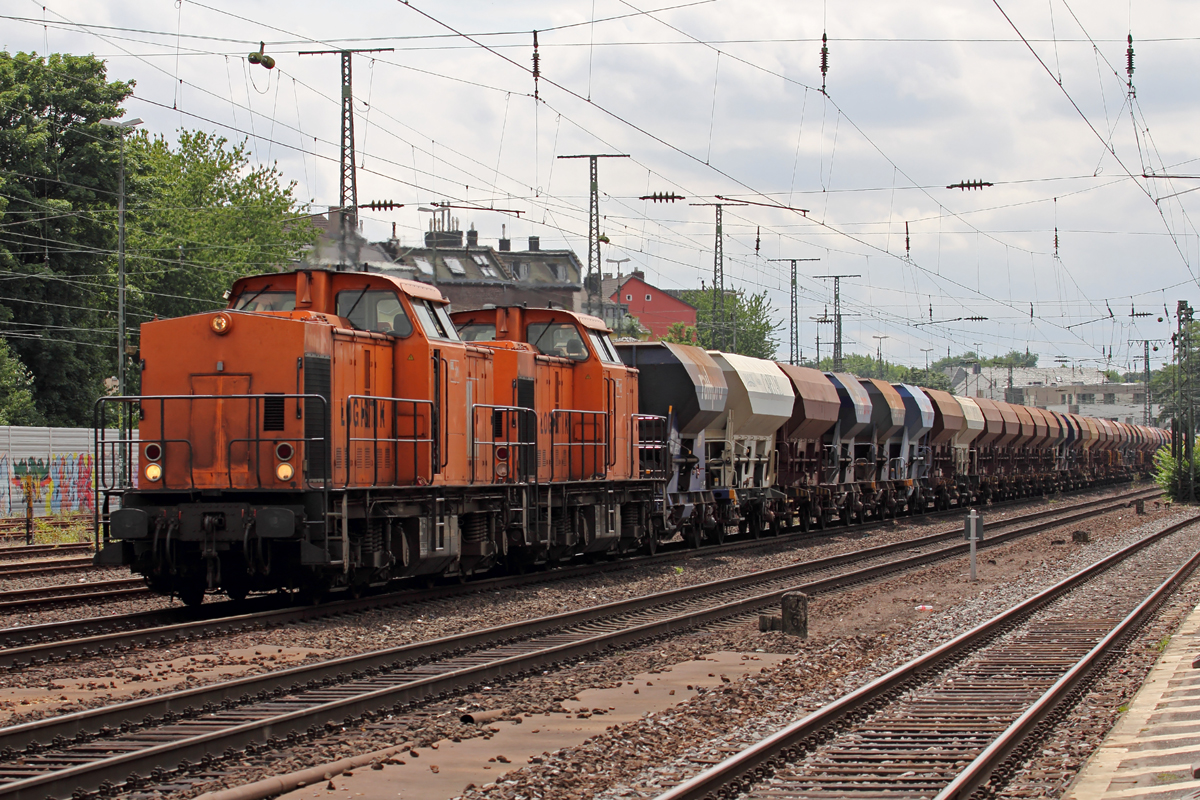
662	197
261	58
964	185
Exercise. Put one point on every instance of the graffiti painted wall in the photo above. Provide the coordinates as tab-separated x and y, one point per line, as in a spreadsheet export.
53	466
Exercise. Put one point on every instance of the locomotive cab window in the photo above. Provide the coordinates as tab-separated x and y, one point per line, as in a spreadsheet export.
265	300
560	339
477	332
434	320
374	310
600	341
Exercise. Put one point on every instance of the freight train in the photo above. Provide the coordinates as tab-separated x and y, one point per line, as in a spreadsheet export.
331	431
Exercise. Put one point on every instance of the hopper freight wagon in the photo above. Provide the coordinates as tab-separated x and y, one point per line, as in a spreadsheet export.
855	448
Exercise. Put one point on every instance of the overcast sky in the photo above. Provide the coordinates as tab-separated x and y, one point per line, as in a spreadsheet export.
722	98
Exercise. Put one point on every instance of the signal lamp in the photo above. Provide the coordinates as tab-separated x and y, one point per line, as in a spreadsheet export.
502	454
153	452
221	324
501	470
153	472
284	451
285	472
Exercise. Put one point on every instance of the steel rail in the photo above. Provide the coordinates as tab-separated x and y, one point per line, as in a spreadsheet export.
994	755
82	726
46	596
31	568
37	644
756	761
20	551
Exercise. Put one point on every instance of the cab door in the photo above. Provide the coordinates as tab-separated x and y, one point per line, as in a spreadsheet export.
222	454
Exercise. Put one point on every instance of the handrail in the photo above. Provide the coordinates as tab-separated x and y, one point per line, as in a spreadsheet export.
599	442
371	402
520	473
639	446
130	405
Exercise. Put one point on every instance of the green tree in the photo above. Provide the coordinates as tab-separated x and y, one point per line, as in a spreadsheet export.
200	216
749	328
16	392
58	176
681	333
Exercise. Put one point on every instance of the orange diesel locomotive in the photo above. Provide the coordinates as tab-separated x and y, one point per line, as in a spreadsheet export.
332	430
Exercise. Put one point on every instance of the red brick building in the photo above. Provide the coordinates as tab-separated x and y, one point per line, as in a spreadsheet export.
655	309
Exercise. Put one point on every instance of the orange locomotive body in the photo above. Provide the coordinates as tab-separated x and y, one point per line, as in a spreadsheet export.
331	430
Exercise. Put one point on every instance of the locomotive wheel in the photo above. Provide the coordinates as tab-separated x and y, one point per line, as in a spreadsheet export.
822	520
805	521
650	546
694	537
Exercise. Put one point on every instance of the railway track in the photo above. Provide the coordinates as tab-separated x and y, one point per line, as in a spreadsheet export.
27	550
60	641
138	744
90	592
25	569
946	722
34	601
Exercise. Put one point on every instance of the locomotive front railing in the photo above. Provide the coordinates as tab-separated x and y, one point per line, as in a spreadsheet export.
119	459
517	462
397	423
652	457
585	443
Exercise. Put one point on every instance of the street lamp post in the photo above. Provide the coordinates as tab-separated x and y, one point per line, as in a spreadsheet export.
879	353
123	127
618	262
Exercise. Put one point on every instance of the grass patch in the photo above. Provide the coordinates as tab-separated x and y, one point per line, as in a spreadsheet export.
1162	643
1121	709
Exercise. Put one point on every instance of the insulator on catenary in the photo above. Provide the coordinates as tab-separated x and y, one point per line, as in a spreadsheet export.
537	66
1129	59
824	59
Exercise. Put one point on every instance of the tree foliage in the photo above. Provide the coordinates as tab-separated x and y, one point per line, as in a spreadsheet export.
16	392
866	367
58	176
199	217
749	327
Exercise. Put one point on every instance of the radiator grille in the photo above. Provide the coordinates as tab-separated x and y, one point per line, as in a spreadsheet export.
273	413
317	381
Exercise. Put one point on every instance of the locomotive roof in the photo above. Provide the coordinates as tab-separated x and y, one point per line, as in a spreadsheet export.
423	291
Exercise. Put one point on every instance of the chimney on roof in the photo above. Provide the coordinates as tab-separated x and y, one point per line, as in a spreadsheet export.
472	237
505	244
637	273
535	242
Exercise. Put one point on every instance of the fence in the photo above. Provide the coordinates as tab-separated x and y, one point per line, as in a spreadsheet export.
54	465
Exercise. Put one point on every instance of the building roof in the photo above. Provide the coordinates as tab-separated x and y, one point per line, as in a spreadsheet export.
558	267
1030	376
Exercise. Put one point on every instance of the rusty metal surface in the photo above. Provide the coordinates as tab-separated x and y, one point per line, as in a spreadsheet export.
816	407
887	408
994	422
948	417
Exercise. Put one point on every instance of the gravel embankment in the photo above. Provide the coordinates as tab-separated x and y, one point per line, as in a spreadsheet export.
855	636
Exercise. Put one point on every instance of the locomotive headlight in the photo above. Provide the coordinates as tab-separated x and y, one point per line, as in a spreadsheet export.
501	470
153	472
285	472
221	323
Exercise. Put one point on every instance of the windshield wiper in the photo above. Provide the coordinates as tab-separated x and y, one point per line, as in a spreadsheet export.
242	306
549	327
356	302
